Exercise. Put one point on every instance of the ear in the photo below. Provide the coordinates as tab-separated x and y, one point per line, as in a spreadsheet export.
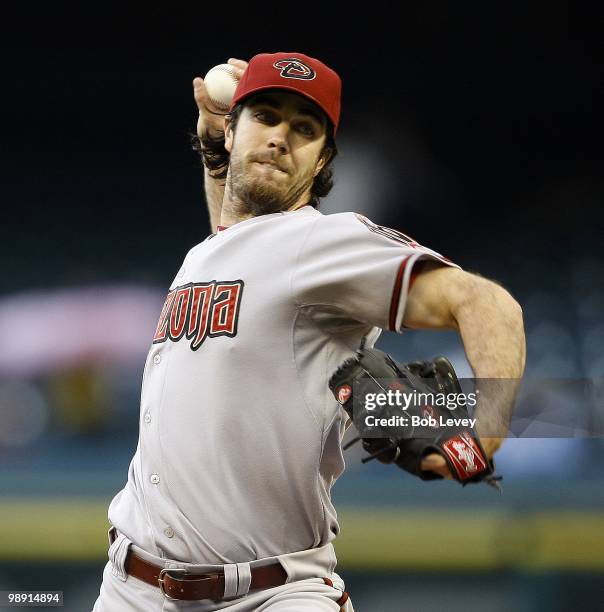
323	160
228	133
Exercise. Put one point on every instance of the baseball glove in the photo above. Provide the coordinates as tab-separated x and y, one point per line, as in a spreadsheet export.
428	416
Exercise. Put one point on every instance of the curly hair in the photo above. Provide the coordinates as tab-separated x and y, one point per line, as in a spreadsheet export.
216	158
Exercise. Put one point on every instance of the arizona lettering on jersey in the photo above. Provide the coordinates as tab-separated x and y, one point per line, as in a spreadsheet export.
200	310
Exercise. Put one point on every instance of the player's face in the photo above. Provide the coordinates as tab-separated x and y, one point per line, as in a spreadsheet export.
275	152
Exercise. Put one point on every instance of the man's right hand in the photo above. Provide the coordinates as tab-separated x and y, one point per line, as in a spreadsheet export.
211	118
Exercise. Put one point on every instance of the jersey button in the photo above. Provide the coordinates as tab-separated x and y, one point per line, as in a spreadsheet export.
169	532
147	418
154	478
157	359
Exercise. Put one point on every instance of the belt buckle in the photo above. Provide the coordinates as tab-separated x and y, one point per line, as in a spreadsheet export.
160	579
200	578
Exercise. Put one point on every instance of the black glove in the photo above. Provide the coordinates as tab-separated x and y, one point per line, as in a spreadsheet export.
441	426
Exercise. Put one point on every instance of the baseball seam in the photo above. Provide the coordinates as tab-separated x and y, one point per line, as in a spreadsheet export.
230	72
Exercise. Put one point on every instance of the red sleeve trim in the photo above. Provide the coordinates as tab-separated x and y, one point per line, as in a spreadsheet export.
418	268
396	295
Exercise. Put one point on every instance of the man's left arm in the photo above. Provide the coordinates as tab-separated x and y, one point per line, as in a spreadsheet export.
489	321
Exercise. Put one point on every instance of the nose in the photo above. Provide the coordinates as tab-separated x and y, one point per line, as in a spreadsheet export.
278	138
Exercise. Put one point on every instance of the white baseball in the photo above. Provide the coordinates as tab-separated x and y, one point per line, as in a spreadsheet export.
221	84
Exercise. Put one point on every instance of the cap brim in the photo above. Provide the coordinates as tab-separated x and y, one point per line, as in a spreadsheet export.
286	88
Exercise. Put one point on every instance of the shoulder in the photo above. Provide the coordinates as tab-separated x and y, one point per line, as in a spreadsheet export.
198	246
343	221
341	218
357	222
347	226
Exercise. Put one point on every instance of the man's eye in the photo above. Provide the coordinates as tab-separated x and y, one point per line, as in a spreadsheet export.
307	129
263	116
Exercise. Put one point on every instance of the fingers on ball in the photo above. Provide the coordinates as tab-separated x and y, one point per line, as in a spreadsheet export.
238	63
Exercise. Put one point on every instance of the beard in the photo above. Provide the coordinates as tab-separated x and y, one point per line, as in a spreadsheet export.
256	195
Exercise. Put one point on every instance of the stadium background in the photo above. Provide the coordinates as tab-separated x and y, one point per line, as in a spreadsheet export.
476	129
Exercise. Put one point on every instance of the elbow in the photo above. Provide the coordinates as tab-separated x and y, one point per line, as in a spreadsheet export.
485	293
509	314
518	319
512	308
488	301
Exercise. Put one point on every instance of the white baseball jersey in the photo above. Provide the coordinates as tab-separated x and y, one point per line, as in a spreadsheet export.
240	436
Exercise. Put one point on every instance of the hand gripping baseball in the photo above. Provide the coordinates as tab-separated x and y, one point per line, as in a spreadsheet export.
420	449
211	115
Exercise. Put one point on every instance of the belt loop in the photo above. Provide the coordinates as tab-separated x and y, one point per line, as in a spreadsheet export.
117	554
230	580
245	578
111	535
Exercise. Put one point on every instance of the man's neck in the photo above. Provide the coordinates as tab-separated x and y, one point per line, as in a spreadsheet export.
230	213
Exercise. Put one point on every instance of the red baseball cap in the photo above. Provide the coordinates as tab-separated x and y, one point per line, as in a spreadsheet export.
295	72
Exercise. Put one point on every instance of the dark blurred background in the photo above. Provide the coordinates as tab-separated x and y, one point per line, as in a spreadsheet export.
475	128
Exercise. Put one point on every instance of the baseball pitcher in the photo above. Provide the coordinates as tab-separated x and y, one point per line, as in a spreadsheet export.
227	504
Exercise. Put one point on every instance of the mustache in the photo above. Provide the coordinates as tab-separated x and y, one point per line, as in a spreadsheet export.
269	157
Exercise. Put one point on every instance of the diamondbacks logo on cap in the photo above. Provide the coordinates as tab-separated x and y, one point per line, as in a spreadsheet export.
293	68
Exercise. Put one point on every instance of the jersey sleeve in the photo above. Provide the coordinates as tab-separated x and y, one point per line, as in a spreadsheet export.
363	270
